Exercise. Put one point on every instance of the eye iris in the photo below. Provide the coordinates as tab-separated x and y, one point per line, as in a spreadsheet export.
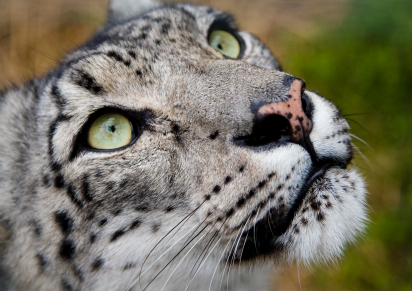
225	43
110	131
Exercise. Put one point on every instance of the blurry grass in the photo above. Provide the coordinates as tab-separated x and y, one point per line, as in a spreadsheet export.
358	54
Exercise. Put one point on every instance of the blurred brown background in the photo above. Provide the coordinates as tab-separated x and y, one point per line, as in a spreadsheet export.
355	52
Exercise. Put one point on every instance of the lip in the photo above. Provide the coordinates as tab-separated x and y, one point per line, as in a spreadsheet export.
317	171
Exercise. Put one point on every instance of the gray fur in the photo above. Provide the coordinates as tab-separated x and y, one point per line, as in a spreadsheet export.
76	219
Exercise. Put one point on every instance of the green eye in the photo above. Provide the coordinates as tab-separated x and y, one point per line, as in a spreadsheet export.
110	131
225	43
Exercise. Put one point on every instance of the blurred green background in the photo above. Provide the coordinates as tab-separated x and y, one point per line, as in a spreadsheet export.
357	53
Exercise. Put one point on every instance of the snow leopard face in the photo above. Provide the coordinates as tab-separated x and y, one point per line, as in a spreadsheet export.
226	159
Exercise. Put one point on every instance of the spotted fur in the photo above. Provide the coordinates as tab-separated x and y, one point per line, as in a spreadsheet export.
193	196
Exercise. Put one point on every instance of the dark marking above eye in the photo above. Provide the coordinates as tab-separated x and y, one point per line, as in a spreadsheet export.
64	221
118	57
97	264
216	189
88	82
67	249
59	181
117	234
214	135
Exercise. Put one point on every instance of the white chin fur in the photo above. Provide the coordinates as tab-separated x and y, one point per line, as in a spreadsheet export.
332	214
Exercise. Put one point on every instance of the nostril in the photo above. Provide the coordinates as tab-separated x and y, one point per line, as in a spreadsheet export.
268	129
306	105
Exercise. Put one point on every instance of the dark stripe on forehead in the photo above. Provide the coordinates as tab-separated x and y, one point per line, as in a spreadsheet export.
118	57
87	81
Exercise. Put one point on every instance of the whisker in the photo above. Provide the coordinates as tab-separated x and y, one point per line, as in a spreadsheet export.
186	217
254	230
175	256
211	281
237	245
227	260
361	140
203	263
164	285
141	274
362	155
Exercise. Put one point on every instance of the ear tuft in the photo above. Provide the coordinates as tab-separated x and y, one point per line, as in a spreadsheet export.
121	10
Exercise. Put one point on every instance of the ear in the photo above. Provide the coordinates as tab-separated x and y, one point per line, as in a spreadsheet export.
121	10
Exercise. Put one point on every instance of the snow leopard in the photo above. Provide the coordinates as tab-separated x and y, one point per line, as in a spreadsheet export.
170	152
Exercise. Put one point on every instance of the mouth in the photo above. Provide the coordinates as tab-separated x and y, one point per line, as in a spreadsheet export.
259	239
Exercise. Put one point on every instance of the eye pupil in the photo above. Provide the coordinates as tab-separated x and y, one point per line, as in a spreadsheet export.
112	128
225	43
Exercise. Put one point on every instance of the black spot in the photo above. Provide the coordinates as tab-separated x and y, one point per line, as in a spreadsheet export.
157	41
65	222
207	196
88	82
78	272
103	222
143	36
117	234
315	205
271	175
170	208
143	208
287	177
66	285
135	224
280	199
165	28
132	54
241	168
320	216
214	135
90	216
93	237
37	228
97	264
296	230
230	212
279	187
251	194
155	227
117	212
67	249
59	181
304	221
46	180
261	184
42	262
139	73
74	196
326	197
240	202
289	115
110	185
228	179
216	189
272	195
304	209
328	205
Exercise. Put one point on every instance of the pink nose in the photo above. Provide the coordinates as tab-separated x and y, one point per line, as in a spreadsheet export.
292	110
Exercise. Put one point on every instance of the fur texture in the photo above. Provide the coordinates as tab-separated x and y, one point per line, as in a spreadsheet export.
189	194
